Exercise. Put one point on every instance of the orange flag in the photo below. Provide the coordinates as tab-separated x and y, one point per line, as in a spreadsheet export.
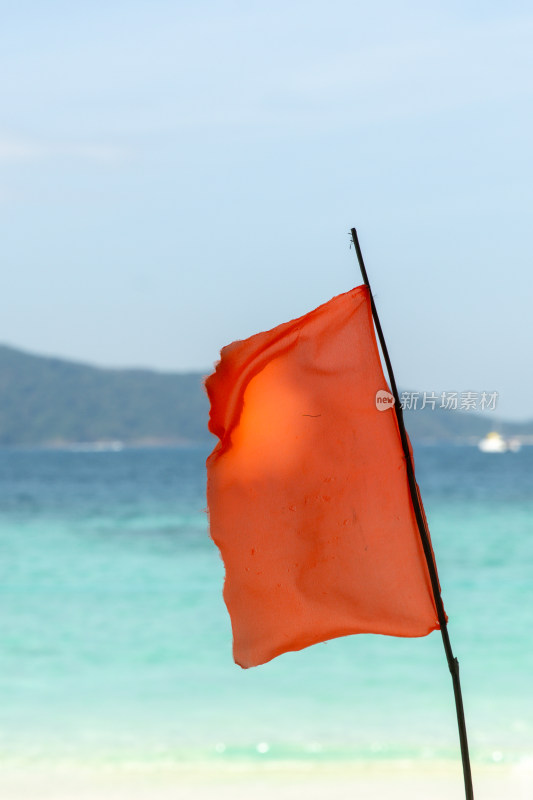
307	488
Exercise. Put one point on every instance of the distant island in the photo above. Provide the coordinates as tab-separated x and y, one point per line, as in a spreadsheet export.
52	402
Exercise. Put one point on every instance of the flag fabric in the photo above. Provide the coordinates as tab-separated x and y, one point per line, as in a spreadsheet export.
308	496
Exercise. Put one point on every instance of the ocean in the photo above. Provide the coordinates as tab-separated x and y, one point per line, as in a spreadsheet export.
115	644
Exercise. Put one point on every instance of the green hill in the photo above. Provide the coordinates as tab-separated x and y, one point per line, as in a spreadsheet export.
50	401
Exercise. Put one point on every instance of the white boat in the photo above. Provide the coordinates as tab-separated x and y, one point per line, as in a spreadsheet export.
495	443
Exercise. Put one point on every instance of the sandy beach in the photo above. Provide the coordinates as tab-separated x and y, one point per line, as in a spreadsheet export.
402	781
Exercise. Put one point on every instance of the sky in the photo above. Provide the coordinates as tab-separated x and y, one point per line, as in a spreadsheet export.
178	175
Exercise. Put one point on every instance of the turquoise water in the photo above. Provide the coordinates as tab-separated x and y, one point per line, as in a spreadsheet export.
115	645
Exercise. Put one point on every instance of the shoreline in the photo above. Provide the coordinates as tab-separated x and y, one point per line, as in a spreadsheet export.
403	780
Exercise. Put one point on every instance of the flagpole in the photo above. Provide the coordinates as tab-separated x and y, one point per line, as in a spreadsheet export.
453	663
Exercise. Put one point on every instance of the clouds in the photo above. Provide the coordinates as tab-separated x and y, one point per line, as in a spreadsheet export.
15	150
296	68
477	63
176	175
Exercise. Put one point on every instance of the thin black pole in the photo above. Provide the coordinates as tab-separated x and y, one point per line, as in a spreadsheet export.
453	663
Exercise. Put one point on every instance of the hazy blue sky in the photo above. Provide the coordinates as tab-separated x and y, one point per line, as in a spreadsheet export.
176	175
